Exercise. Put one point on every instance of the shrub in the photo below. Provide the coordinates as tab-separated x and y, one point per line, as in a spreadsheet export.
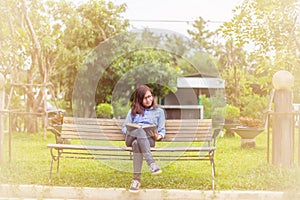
254	106
207	106
214	107
120	109
232	113
218	113
104	110
250	122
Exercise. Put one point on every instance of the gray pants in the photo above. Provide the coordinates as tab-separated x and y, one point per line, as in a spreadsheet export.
140	143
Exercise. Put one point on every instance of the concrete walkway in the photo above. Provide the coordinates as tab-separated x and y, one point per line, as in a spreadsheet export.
54	192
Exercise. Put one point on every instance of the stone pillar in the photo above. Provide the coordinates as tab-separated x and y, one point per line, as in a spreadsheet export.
2	97
283	129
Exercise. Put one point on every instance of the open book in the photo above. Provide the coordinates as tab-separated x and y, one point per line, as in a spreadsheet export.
151	129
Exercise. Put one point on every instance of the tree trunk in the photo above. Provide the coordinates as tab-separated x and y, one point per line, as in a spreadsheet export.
32	124
37	61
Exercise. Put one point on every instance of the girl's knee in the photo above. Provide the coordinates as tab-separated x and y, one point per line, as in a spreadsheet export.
135	146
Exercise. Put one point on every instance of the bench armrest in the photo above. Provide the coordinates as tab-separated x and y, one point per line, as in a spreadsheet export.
56	130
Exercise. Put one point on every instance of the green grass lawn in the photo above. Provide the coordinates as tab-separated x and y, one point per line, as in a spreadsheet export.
237	169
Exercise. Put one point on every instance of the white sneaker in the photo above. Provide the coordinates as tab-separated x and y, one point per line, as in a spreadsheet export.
134	186
155	169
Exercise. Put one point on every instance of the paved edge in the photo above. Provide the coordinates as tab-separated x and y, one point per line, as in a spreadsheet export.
58	192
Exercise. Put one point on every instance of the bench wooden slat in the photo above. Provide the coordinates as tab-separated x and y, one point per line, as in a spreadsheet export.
120	137
87	132
119	127
84	147
100	132
114	138
118	148
103	132
100	128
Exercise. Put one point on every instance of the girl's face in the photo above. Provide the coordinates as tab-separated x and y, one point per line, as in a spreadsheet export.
148	99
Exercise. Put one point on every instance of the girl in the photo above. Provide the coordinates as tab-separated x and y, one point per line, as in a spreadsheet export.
144	111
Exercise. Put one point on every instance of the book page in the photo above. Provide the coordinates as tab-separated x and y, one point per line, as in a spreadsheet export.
151	129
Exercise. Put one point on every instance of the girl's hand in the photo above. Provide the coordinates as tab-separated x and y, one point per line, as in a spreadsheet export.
159	137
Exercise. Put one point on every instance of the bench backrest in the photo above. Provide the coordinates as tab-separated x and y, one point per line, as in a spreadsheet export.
183	130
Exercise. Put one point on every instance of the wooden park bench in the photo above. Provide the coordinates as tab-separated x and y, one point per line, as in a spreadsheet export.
92	138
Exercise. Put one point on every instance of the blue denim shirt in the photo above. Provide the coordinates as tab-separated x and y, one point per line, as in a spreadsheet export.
151	116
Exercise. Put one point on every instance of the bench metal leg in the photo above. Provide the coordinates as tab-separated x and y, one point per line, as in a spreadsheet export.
50	174
213	172
54	158
57	167
51	167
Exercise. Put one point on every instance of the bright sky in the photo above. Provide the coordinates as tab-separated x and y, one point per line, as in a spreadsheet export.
215	11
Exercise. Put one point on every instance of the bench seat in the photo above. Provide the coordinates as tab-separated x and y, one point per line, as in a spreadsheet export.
102	139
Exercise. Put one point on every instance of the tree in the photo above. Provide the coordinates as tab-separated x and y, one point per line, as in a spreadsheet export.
29	41
232	66
49	40
202	35
229	58
272	27
122	63
84	28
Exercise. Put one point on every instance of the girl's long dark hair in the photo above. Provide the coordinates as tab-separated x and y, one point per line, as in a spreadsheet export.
137	103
